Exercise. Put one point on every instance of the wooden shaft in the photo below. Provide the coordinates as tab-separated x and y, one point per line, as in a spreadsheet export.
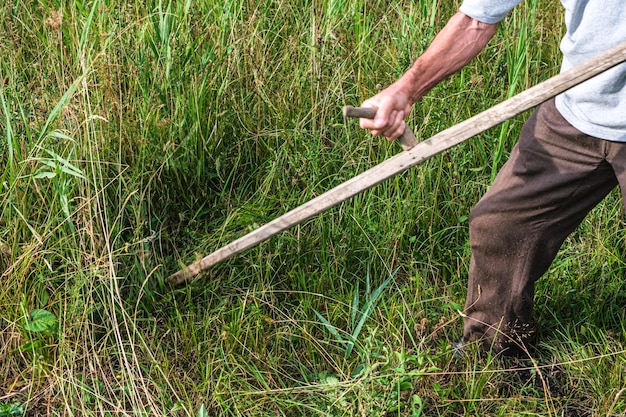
404	160
407	139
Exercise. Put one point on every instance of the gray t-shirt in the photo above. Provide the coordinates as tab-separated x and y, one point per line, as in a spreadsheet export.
596	107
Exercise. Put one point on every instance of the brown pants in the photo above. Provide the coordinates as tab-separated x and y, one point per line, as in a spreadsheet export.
554	177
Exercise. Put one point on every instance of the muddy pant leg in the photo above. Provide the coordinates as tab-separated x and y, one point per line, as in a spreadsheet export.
554	177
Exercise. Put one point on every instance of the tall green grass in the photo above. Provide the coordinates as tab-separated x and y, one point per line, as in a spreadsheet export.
139	136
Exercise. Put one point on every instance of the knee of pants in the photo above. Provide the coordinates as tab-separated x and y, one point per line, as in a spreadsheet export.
485	220
497	231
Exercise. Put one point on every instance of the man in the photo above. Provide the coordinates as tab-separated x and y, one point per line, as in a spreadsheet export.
571	154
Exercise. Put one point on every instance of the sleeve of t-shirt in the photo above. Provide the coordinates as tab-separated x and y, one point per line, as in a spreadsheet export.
488	11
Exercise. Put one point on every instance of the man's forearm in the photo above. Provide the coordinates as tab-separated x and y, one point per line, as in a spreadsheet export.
454	47
456	44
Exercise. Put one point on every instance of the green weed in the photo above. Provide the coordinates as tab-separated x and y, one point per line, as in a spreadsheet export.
358	314
12	410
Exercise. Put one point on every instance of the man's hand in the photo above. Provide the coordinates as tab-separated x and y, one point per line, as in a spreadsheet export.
392	106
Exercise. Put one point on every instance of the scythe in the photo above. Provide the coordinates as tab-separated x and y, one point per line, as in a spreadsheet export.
414	154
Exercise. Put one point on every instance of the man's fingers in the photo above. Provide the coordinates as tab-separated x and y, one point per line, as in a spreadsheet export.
388	121
395	126
391	130
394	131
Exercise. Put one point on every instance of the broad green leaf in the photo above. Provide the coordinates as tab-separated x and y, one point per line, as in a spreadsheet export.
41	321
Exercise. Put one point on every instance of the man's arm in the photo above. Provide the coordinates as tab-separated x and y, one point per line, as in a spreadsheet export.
454	47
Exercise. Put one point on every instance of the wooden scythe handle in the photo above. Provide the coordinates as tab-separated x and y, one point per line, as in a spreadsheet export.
404	160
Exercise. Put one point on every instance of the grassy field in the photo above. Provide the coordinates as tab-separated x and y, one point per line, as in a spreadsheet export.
137	137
